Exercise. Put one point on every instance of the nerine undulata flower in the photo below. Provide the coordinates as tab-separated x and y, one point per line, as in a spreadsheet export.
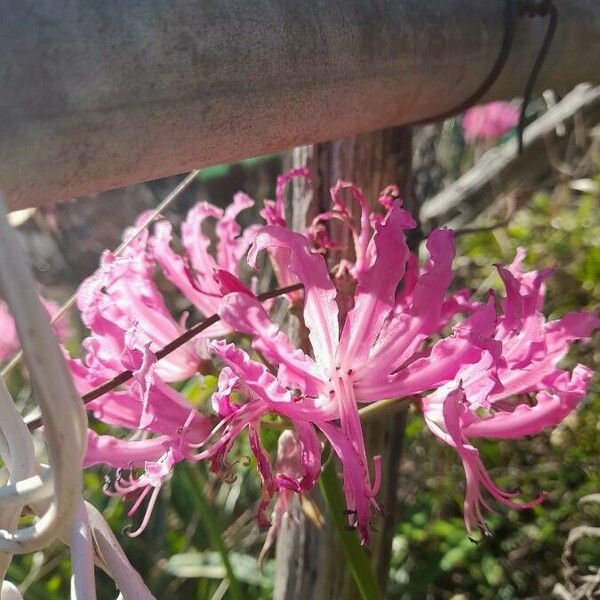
377	353
521	393
384	334
489	121
129	321
390	344
128	318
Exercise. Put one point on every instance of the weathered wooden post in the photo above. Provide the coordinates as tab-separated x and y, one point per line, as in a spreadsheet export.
309	563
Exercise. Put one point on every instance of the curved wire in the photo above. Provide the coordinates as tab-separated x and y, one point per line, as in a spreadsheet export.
18	454
510	21
513	9
533	9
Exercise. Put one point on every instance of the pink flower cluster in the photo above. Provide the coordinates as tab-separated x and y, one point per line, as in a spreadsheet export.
489	121
480	370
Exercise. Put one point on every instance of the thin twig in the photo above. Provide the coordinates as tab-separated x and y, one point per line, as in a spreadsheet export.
198	328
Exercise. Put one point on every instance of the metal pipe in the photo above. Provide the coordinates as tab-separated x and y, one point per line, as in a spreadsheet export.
97	95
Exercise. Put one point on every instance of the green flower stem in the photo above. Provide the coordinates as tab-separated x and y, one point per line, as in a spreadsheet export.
356	555
196	495
383	406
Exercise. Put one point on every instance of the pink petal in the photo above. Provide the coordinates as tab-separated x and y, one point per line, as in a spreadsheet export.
298	467
199	288
231	247
152	405
264	386
83	378
123	454
558	337
406	332
357	490
310	456
123	295
195	242
524	299
288	468
274	213
9	340
320	308
457	303
440	366
411	278
361	240
344	397
376	289
263	464
221	399
229	283
475	471
552	406
296	370
252	375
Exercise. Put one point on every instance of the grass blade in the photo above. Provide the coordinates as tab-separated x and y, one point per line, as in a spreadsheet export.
196	496
357	557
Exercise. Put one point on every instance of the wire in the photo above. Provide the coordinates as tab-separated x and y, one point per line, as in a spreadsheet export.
532	9
513	10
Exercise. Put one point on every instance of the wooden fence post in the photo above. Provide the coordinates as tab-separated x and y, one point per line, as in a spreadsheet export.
309	565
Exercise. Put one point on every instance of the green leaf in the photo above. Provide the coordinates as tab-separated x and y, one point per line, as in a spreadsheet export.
210	565
356	555
492	570
199	389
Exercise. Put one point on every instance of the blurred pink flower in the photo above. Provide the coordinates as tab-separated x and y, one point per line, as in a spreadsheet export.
489	121
288	465
9	339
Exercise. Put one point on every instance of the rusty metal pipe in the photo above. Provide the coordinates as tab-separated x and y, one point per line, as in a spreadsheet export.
97	95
